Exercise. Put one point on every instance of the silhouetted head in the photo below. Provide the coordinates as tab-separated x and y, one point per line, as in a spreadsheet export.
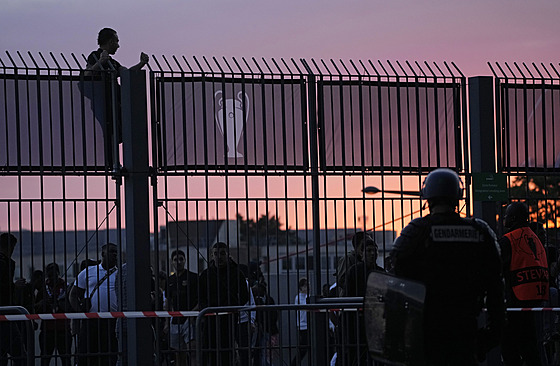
517	215
108	40
303	285
359	239
7	244
178	258
52	271
369	253
220	254
442	187
109	255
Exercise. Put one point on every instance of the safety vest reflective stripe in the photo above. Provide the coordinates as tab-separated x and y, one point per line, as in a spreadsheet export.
529	266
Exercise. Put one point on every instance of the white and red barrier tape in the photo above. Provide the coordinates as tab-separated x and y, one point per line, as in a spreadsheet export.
167	314
102	315
125	314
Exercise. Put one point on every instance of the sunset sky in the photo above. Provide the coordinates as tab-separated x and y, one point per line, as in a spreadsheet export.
468	33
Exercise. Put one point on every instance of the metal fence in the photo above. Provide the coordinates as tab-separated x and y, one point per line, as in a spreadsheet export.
528	151
273	155
269	156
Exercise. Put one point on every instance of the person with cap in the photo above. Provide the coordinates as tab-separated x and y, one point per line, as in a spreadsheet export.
525	268
458	261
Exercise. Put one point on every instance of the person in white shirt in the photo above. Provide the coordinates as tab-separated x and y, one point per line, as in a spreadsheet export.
94	291
303	336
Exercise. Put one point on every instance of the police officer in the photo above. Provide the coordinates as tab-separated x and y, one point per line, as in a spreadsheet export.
526	272
458	260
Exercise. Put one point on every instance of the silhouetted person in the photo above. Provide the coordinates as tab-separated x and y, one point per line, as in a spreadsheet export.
182	295
162	324
25	292
247	327
11	342
352	326
301	322
458	261
349	260
267	323
108	42
99	60
55	334
75	323
525	269
95	291
221	284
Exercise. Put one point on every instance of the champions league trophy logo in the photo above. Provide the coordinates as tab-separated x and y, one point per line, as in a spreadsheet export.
234	122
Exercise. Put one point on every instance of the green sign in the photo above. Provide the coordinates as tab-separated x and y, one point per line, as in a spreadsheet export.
489	187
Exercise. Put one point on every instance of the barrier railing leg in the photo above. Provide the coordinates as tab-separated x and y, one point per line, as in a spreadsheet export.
29	331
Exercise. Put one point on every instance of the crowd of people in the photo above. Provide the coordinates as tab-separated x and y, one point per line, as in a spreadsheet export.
239	338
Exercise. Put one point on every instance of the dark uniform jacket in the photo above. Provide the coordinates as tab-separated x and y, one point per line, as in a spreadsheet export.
223	286
458	260
182	293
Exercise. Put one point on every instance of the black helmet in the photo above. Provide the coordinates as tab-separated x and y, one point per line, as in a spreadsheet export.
442	183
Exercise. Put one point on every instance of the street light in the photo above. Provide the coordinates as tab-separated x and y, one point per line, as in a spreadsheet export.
374	190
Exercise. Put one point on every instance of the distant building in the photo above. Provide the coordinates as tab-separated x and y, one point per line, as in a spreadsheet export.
335	243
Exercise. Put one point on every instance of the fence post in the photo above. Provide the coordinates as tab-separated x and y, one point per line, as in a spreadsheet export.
483	154
482	139
139	346
318	353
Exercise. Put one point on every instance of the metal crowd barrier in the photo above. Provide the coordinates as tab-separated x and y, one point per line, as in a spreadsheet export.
14	331
323	341
318	349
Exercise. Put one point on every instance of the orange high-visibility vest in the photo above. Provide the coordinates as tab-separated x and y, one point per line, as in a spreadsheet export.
529	267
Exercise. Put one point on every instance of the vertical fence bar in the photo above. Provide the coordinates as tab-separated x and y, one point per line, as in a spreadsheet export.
135	154
318	342
483	156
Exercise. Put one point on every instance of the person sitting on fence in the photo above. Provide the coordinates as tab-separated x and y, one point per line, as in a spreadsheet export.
95	291
99	60
55	334
108	42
